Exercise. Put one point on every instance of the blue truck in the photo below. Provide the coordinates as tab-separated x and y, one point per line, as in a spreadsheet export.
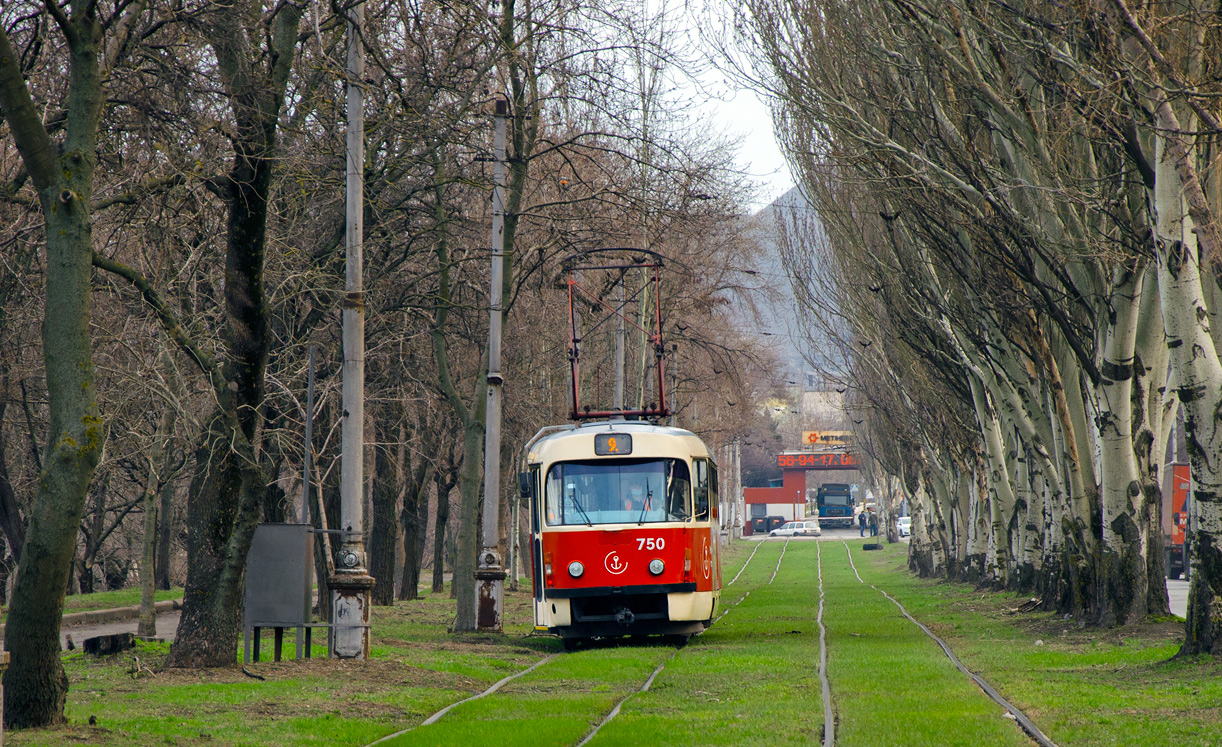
835	503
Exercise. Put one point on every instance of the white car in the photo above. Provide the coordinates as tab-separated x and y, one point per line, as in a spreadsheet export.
905	526
804	528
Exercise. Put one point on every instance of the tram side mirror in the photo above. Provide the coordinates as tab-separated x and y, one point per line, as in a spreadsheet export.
524	484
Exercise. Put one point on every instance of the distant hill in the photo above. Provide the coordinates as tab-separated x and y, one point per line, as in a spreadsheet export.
790	214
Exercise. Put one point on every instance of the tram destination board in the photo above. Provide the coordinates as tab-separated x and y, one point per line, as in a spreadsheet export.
831	460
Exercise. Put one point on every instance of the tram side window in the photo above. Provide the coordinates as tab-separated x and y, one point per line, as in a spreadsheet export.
680	486
533	479
702	488
554	494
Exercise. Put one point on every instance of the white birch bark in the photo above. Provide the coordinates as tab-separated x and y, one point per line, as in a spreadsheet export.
1125	535
1198	375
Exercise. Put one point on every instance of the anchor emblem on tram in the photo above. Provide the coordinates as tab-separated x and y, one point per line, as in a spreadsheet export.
614	565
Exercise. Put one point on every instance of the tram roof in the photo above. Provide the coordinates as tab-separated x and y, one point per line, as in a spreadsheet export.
565	441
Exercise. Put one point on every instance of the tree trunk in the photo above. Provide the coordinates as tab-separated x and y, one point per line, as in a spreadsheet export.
223	510
94	534
1122	566
148	558
384	536
11	521
440	523
226	497
165	529
470	482
35	686
159	473
416	516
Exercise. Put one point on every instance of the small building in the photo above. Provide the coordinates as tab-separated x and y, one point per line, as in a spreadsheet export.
787	500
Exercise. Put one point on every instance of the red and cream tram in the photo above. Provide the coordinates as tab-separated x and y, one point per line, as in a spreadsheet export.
624	530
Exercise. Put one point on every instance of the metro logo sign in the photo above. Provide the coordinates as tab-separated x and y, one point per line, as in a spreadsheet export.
827	438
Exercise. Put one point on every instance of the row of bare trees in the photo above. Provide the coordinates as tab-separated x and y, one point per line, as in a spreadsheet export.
171	189
1018	223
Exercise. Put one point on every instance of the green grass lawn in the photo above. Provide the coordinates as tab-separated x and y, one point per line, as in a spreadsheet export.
891	684
751	679
1081	686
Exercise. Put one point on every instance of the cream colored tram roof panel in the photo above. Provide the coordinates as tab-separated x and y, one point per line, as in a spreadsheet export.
647	441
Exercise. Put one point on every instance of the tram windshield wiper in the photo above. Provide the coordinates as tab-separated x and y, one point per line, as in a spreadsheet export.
645	507
582	511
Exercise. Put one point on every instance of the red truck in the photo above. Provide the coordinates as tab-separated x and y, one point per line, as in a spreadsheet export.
1175	517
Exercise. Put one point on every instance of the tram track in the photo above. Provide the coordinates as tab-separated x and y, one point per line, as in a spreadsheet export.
616	709
1024	722
645	687
497	686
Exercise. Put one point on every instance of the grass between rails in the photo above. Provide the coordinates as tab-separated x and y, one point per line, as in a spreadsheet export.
560	702
1081	685
751	679
891	684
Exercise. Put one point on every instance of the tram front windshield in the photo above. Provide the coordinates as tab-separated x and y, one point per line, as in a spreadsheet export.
618	492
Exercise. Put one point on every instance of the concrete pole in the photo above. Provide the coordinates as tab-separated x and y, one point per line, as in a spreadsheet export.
351	584
740	509
619	346
490	574
307	456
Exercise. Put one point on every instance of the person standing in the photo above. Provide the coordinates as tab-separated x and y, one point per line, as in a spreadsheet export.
873	524
861	522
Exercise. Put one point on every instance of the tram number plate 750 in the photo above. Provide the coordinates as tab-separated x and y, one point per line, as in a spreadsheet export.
650	543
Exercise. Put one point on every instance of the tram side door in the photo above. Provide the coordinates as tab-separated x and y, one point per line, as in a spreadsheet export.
536	538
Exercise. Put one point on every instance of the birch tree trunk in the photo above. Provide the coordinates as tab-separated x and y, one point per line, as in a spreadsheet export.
1122	566
1198	375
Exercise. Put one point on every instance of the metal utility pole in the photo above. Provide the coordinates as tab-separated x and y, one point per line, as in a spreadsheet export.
351	584
490	575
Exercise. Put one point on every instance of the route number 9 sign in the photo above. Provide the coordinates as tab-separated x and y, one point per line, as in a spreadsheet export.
612	444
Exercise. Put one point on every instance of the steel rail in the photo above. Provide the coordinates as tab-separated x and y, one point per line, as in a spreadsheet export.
1021	718
740	570
829	718
778	562
432	719
644	688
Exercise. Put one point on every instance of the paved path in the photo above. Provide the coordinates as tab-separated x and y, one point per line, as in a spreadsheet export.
167	624
1177	592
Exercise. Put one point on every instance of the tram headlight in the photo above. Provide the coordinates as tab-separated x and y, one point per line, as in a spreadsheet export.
656	566
576	569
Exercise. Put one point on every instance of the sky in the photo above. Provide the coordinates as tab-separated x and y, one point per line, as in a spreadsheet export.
733	109
745	116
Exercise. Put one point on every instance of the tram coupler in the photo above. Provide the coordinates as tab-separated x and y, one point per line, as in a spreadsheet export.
489	592
624	616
